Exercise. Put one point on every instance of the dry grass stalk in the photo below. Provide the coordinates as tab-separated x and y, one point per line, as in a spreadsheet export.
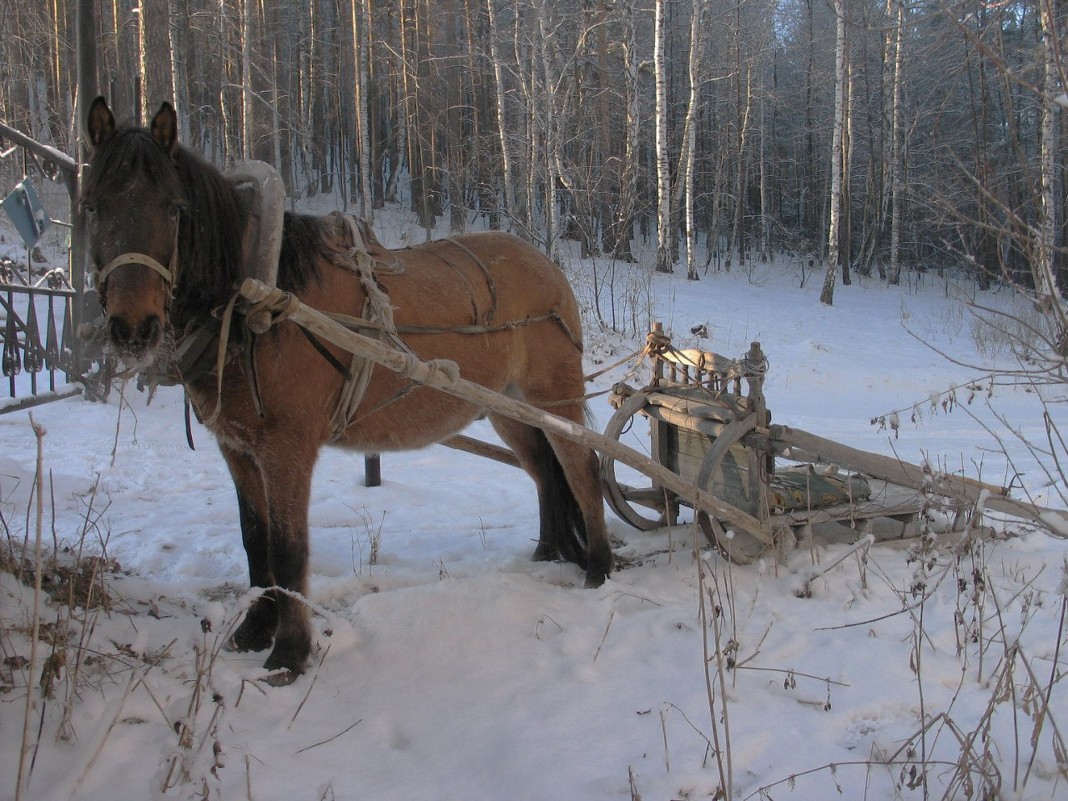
721	743
25	768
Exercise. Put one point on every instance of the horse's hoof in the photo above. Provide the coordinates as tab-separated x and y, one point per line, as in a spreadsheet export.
251	638
595	578
280	678
289	659
545	553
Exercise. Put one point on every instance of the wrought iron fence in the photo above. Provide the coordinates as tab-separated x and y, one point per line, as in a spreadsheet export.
35	331
45	353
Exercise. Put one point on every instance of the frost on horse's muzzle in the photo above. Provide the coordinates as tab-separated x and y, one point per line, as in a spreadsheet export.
136	303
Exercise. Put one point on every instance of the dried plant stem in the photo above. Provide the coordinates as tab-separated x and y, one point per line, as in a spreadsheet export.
1046	714
604	636
26	745
135	680
633	782
311	686
118	421
862	544
341	733
918	668
724	765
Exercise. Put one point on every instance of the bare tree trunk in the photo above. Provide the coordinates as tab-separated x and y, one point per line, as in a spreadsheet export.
896	167
827	294
621	226
157	82
1042	264
451	68
550	139
664	228
361	24
765	199
690	134
507	168
845	223
743	109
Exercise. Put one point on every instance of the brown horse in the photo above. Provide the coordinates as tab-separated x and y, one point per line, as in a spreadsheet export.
166	232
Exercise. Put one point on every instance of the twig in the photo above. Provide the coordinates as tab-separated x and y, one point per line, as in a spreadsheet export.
604	636
725	767
311	684
329	739
23	776
795	673
862	544
118	421
135	680
667	750
633	782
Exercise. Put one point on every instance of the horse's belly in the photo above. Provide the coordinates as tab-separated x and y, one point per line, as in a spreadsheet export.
422	417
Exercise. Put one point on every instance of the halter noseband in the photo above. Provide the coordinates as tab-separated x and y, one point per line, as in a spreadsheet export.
135	258
169	273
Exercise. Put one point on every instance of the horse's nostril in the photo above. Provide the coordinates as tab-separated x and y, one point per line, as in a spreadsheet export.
135	339
150	330
119	331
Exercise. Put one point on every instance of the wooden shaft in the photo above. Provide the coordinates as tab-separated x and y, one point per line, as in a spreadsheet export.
439	376
810	447
488	450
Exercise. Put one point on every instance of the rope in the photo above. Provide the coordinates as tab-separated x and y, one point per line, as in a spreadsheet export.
220	358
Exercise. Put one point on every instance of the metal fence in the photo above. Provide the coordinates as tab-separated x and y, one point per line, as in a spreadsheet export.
36	337
40	312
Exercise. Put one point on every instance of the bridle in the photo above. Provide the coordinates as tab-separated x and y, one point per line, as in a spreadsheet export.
169	273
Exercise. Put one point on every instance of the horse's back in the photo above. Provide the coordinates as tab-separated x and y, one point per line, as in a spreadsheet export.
490	302
493	275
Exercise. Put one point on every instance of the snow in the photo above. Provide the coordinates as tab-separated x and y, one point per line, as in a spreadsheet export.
450	666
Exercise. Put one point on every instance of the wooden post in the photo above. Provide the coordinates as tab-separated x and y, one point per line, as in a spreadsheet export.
87	90
372	470
660	444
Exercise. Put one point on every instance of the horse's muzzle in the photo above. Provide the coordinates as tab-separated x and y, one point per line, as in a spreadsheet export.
135	343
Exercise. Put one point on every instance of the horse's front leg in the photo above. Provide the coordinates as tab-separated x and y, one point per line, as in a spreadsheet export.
256	632
287	480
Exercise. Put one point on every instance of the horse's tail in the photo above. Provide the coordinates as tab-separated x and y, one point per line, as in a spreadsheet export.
562	516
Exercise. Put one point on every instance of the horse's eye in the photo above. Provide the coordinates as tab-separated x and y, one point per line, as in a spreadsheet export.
174	210
89	209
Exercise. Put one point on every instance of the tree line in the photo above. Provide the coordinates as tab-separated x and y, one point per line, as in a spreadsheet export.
865	136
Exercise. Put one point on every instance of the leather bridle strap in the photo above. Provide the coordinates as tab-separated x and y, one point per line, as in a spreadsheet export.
168	273
134	258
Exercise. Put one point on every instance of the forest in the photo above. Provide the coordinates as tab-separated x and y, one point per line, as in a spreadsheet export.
857	136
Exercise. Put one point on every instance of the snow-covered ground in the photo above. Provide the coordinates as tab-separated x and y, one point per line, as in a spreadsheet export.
452	667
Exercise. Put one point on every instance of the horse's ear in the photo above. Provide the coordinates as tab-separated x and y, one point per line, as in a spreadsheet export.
100	124
165	128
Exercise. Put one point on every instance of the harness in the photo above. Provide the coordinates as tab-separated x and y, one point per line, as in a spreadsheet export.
204	345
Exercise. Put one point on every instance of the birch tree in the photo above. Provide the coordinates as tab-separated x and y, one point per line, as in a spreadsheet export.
507	160
1045	233
361	21
896	167
840	77
664	227
690	134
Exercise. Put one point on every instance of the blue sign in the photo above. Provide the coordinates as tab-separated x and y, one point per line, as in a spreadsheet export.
27	212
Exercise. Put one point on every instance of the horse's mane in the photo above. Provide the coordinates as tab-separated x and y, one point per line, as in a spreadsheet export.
212	222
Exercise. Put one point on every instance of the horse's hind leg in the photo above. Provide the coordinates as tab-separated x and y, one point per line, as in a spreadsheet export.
580	466
569	498
256	631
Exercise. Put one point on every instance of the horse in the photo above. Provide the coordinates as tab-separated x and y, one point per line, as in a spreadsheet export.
167	239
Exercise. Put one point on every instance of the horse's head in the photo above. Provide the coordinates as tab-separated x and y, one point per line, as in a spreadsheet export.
133	201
